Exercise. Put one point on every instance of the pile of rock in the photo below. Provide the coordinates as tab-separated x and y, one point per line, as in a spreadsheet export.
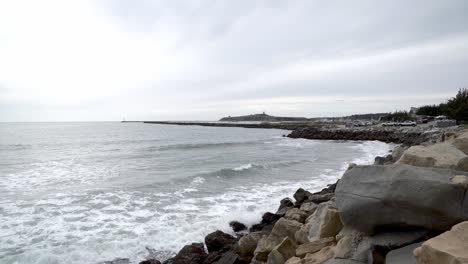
414	210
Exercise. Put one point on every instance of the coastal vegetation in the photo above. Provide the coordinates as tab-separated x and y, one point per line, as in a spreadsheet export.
455	107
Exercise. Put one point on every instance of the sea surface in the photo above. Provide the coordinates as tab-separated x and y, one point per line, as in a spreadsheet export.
90	192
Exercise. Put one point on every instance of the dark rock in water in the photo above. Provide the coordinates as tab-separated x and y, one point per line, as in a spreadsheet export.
218	240
237	226
301	195
116	261
268	220
228	257
285	205
150	261
399	196
320	198
190	254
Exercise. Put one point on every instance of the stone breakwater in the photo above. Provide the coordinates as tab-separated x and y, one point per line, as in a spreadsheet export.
408	136
412	208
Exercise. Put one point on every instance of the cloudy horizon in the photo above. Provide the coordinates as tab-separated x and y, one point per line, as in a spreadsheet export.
205	59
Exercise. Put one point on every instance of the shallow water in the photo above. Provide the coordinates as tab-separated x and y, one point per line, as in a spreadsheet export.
88	192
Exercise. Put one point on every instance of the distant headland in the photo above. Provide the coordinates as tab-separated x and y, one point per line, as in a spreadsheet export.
263	117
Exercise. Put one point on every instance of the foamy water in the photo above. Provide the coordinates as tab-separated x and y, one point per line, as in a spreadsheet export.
88	192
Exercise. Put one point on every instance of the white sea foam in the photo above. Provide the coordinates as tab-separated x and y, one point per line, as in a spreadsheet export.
243	167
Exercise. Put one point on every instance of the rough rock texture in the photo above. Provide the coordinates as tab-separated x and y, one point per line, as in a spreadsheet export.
461	142
384	135
325	222
282	252
295	260
246	245
321	256
301	195
308	207
314	246
355	246
217	240
285	205
320	198
297	215
449	247
400	196
190	254
383	160
442	155
283	228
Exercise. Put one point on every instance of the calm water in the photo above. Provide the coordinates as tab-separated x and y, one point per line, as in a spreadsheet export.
88	192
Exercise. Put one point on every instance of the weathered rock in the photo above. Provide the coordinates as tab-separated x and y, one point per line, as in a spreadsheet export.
294	260
190	254
314	246
282	252
402	255
229	258
321	256
217	240
383	160
237	226
355	246
324	222
461	142
320	198
283	228
308	207
150	261
398	152
401	196
246	245
449	247
301	195
441	155
285	205
297	215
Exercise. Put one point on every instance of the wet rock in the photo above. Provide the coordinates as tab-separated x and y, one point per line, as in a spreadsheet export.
189	254
268	220
150	261
449	247
330	188
285	205
383	160
400	196
218	240
237	226
301	195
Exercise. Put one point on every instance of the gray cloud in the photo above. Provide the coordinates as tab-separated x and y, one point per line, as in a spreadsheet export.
203	59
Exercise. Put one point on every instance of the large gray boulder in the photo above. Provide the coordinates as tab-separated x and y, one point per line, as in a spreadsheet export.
441	155
397	196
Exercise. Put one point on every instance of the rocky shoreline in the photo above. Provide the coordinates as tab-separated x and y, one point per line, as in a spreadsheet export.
409	207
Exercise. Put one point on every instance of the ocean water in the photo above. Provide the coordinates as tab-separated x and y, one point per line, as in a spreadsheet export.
90	192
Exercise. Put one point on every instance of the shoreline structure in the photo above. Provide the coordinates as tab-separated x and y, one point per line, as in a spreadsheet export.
411	206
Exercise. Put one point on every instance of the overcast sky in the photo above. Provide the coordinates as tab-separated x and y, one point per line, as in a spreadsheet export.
201	60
